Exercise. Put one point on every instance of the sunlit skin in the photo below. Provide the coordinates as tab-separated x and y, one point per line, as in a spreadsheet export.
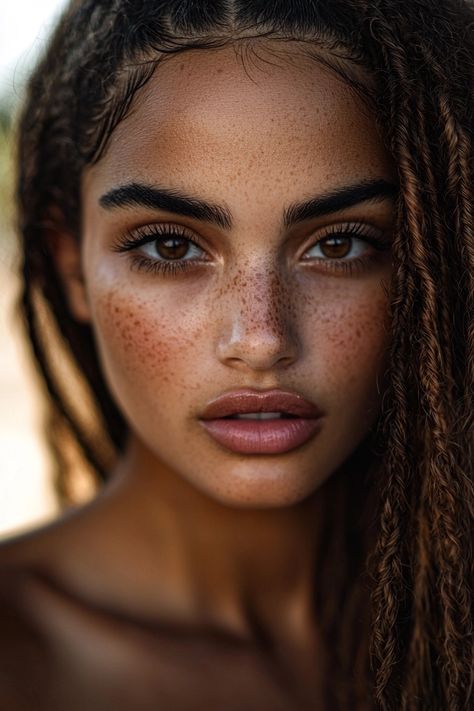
188	532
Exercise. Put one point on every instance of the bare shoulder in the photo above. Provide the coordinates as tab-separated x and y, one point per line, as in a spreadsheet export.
24	668
28	610
58	652
22	550
22	558
67	642
68	540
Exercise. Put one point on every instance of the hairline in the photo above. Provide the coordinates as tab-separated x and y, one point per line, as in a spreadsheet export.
331	53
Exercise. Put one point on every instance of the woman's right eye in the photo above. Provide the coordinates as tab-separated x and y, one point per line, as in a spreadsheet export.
165	250
171	248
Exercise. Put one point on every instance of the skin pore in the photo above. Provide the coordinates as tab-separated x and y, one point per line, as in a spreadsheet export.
207	537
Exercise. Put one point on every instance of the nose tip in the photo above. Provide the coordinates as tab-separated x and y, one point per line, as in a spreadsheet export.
258	328
256	351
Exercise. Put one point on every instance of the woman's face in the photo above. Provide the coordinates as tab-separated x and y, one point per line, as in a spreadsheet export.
262	295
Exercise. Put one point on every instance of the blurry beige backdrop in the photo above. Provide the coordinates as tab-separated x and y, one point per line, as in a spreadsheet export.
26	493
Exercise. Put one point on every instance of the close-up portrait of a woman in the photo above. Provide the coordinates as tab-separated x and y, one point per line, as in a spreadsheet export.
247	284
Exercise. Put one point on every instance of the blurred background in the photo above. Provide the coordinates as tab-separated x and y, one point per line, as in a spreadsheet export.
26	493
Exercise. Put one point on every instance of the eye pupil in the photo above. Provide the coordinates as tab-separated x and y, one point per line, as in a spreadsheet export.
336	245
172	247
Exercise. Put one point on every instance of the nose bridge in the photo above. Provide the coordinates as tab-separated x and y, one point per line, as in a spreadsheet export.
258	322
263	302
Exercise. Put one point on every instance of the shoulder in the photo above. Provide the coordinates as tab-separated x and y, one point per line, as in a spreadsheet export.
52	548
21	558
30	612
23	652
50	643
55	634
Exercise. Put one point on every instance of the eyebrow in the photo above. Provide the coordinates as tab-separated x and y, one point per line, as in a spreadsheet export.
170	200
339	199
137	194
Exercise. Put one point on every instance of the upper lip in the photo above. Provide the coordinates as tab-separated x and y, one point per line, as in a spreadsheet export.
244	401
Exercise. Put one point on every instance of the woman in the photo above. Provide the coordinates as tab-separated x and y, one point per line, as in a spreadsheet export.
248	283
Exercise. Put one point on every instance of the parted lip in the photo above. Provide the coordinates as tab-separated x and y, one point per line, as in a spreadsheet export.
241	402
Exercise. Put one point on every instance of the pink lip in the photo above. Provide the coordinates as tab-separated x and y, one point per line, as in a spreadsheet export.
275	436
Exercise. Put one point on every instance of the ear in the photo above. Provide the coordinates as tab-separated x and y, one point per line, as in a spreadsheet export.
65	250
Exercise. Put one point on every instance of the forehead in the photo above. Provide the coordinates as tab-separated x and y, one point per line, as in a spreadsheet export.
261	117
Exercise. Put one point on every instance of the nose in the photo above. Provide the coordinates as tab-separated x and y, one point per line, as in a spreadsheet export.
257	324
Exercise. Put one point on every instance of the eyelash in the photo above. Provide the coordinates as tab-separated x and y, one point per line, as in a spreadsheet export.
153	233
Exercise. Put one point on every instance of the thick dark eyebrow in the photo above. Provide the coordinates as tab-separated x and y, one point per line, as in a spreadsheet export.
137	194
339	199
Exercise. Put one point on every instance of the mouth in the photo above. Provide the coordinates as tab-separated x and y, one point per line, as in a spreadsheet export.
258	422
261	416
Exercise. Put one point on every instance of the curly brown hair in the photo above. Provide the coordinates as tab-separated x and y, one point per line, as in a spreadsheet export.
419	647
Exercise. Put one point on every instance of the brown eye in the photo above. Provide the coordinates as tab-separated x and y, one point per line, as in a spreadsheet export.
339	245
335	246
348	249
172	247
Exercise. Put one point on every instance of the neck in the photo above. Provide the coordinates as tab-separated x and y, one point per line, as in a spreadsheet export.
237	569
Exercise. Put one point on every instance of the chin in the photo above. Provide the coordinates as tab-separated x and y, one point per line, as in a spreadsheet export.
262	487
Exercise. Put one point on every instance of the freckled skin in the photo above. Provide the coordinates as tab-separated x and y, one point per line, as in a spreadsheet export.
253	317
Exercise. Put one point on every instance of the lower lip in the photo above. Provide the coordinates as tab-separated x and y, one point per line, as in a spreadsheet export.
262	436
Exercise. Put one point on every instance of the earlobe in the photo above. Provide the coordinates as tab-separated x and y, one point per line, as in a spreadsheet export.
66	253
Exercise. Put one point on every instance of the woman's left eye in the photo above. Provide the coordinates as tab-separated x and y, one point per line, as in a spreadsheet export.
338	246
348	249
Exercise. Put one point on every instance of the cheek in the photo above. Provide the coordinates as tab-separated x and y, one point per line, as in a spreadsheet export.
143	343
350	344
356	337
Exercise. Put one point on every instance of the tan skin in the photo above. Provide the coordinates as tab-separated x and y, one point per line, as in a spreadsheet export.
191	577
